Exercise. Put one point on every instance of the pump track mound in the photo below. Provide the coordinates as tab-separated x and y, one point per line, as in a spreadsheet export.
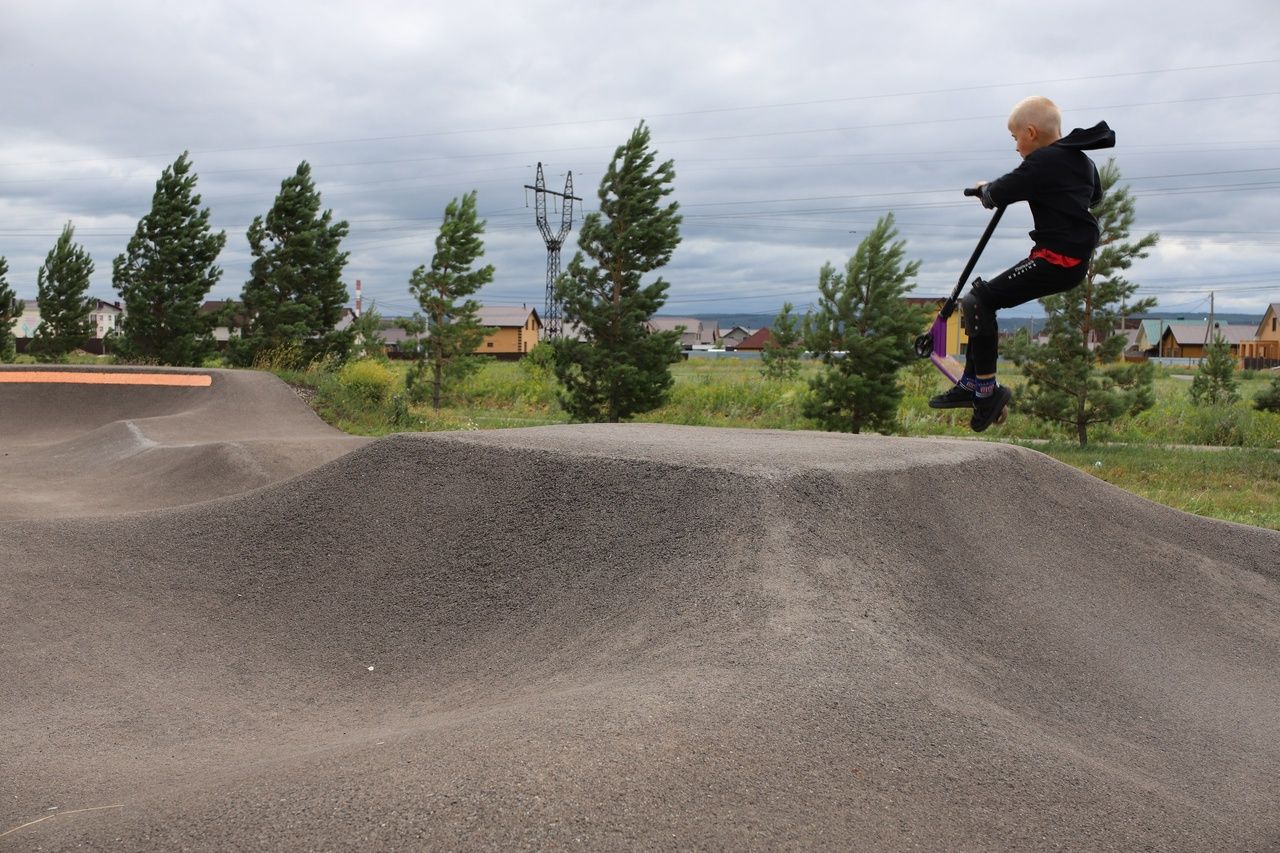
608	637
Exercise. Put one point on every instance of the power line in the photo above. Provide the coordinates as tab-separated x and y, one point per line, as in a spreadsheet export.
679	114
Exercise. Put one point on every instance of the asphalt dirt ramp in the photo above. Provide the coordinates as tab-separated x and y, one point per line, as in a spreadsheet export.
85	441
644	637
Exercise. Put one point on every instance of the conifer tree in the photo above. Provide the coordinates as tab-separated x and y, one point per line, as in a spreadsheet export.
780	358
1215	383
295	295
165	274
1076	379
10	310
449	317
618	367
62	288
863	330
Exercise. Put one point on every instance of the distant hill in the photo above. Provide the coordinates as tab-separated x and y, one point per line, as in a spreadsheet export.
1184	317
1031	319
749	321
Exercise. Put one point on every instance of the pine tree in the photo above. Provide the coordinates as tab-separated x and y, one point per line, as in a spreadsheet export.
449	317
863	331
165	274
1075	379
1215	383
295	295
619	367
10	311
62	287
780	358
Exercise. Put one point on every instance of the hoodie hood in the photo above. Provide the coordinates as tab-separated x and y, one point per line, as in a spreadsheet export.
1089	139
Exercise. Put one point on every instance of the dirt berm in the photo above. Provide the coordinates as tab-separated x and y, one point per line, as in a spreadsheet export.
645	637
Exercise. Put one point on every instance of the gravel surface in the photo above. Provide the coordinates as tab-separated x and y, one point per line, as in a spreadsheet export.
630	637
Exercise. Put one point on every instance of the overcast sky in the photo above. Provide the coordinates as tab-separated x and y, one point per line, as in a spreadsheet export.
793	127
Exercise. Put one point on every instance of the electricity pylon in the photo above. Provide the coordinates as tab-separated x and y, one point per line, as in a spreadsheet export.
554	240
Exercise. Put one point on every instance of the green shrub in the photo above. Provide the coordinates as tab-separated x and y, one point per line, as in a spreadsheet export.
1268	399
528	385
286	356
368	380
539	363
1220	427
362	398
744	400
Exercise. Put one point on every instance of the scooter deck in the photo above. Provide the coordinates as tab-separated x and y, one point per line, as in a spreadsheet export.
946	363
949	366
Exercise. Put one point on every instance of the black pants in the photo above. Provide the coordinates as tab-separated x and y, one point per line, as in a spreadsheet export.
1026	280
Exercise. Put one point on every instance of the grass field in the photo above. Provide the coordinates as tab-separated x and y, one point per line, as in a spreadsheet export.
1220	462
1241	485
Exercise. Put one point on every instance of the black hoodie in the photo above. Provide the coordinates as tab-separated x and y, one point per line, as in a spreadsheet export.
1060	183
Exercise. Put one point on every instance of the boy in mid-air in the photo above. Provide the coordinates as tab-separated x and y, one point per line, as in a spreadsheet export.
1060	183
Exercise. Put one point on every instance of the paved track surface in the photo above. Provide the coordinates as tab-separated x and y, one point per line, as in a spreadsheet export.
90	448
633	637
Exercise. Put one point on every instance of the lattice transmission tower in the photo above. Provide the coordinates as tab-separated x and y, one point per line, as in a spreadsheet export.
551	325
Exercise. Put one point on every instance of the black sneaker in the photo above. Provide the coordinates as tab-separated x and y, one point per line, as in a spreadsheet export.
958	397
992	409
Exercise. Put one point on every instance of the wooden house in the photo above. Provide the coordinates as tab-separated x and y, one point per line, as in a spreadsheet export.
516	330
1188	340
1146	340
1263	349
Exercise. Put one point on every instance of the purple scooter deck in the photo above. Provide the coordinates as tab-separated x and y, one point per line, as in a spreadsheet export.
947	364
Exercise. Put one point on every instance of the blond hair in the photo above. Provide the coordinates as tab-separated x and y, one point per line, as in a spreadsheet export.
1039	112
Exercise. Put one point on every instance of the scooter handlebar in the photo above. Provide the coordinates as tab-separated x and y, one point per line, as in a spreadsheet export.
973	191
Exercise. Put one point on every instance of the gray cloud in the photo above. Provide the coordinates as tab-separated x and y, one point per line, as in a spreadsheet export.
793	127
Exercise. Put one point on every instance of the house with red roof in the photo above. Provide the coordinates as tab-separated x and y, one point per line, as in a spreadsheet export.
754	342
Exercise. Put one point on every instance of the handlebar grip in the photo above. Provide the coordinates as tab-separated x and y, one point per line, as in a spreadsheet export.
973	191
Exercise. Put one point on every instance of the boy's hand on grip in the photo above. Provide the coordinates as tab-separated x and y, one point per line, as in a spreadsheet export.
978	192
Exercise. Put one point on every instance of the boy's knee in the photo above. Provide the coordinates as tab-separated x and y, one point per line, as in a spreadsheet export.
978	319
